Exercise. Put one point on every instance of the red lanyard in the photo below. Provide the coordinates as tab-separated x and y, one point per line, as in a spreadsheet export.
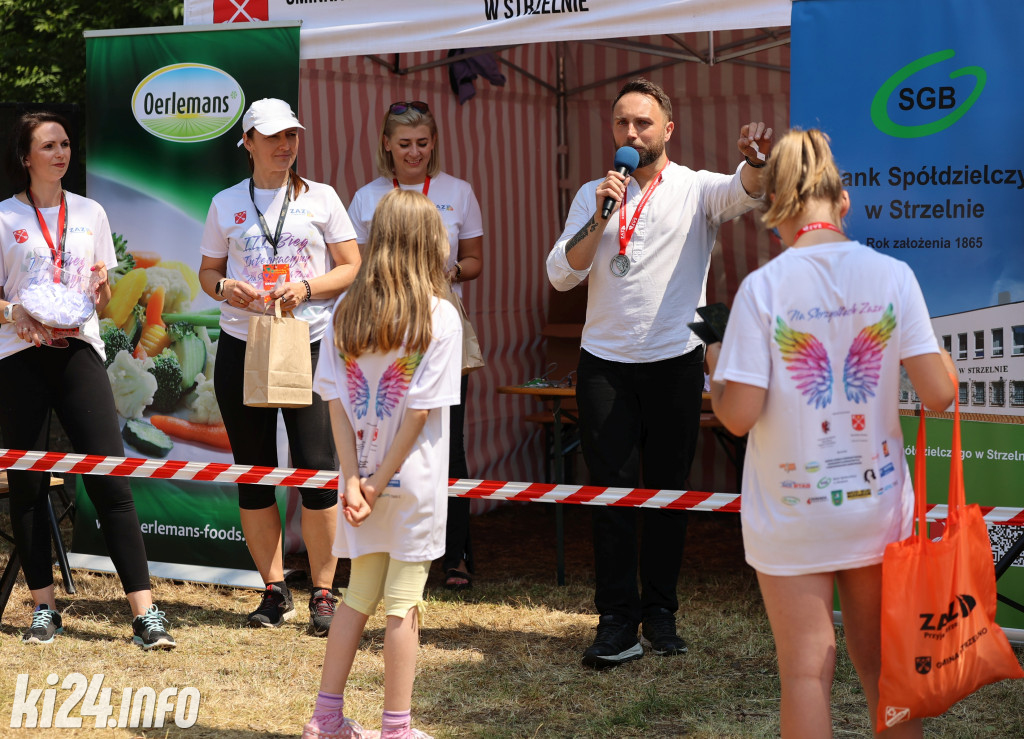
626	232
426	184
816	226
62	227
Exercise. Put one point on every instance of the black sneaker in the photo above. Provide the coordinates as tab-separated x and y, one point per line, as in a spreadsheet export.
275	608
321	611
46	624
614	644
659	633
149	632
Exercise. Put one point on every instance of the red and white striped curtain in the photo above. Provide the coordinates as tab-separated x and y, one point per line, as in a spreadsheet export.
503	142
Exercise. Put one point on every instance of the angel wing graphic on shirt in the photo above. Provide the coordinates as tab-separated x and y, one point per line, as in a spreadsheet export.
809	365
395	382
393	385
358	387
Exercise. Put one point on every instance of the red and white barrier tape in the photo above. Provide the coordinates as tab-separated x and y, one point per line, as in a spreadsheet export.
691	500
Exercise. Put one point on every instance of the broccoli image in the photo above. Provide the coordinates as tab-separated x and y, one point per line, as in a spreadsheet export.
125	261
114	340
167	371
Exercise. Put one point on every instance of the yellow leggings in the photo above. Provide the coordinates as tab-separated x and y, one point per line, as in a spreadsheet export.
376	576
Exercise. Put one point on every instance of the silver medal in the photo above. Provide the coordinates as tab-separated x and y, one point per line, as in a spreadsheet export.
619	265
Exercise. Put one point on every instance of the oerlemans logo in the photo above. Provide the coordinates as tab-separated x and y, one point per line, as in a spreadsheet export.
188	103
948	99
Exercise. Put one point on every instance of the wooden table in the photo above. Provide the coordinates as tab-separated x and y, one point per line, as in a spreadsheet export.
555	395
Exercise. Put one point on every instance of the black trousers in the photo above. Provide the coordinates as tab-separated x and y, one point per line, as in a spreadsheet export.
457	542
639	425
253	431
72	383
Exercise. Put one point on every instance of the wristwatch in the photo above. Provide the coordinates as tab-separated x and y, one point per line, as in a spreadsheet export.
9	312
220	286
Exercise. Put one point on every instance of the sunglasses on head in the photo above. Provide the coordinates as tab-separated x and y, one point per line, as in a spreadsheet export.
418	105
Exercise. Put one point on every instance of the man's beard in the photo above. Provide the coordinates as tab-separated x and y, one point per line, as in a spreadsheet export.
650	154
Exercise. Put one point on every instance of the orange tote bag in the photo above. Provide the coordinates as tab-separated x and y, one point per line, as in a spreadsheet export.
940	640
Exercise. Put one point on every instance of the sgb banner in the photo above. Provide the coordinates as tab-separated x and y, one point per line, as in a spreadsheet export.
918	98
164	119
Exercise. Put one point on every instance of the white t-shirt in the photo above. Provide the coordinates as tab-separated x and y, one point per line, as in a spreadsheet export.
25	250
408	519
316	218
824	328
642	316
453	197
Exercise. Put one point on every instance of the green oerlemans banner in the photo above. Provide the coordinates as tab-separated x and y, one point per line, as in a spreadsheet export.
164	120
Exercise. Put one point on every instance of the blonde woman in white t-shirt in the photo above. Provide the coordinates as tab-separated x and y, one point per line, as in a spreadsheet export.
810	368
389	373
408	157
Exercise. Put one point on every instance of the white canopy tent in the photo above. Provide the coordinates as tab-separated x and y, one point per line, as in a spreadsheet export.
528	145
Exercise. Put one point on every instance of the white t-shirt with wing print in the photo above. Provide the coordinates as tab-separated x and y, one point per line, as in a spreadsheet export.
408	519
824	328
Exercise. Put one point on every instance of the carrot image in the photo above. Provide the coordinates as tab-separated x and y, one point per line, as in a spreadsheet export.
145	258
211	434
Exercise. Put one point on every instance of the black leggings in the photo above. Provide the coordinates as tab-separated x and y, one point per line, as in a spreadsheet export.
457	541
253	431
72	383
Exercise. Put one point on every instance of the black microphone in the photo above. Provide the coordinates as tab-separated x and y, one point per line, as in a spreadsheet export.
626	160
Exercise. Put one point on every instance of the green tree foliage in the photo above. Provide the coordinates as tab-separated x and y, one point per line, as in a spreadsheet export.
42	52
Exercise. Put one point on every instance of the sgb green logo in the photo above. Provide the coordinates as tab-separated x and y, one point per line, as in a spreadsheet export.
925	97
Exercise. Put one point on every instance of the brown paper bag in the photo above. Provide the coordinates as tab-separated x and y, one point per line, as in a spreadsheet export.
472	356
278	365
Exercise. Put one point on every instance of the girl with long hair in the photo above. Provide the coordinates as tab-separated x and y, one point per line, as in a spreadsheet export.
389	379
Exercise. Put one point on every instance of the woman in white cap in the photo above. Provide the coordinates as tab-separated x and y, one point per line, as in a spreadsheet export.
409	158
270	224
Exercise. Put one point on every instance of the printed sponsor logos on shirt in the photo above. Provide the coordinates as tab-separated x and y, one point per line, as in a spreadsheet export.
886	488
787	467
795	485
885	447
869	475
887	470
790	500
817	499
21	236
852	460
824	483
853	494
825	427
812	467
857	421
837	497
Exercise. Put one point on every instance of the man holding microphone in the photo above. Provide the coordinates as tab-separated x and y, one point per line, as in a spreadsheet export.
640	373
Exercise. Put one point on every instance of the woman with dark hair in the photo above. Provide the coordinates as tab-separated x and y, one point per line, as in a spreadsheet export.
307	237
58	244
409	158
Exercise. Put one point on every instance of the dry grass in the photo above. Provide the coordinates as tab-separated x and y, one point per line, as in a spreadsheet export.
503	662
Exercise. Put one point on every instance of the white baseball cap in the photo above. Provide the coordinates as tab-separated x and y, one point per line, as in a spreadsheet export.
269	116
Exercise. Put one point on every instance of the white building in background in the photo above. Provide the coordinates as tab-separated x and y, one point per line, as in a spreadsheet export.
987	346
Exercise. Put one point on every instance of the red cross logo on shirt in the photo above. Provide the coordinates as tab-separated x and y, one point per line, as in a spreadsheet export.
857	419
21	236
240	11
240	217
